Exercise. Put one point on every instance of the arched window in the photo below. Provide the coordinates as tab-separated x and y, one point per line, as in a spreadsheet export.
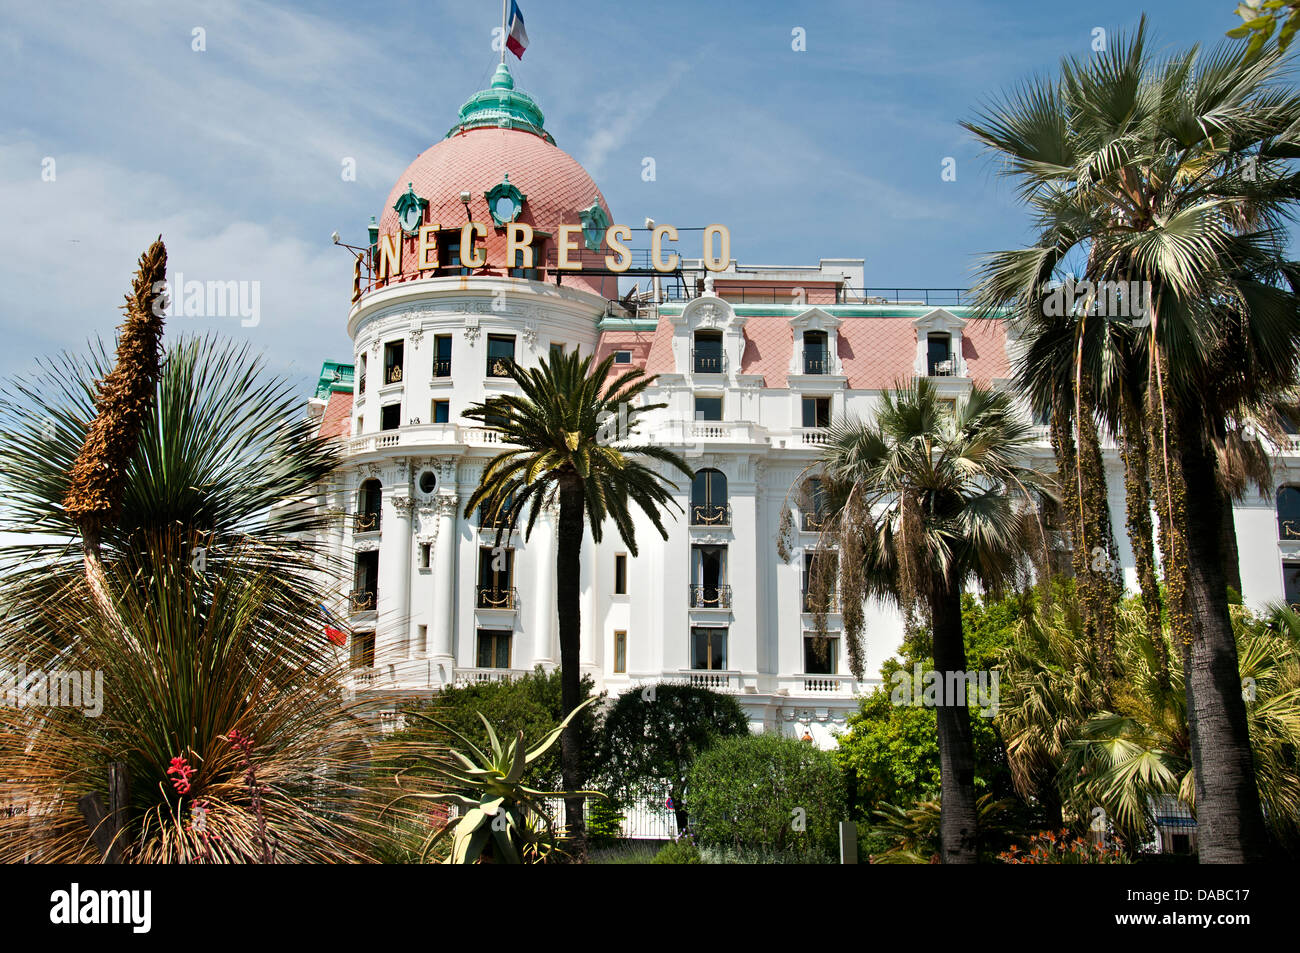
369	506
709	505
1288	513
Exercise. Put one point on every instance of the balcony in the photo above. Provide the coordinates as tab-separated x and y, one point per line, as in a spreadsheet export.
476	676
946	368
499	366
811	436
815	522
816	364
708	362
710	597
363	600
831	603
442	367
712	678
725	431
365	522
393	375
494	597
817	684
711	514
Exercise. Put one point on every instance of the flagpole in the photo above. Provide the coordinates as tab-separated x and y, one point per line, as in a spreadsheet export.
503	32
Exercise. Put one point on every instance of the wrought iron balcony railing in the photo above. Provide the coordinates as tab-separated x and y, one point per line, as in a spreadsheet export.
710	597
363	600
827	603
815	521
708	362
365	522
496	597
393	375
499	366
711	514
816	364
442	367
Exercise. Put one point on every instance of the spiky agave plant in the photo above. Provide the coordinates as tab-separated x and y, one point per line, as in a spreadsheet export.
503	819
186	659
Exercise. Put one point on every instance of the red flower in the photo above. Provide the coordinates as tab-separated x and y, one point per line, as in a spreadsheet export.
181	768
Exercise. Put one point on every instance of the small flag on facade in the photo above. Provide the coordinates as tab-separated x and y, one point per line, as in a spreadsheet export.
516	36
333	633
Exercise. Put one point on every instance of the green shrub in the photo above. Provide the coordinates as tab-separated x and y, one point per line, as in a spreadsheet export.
604	822
766	792
680	851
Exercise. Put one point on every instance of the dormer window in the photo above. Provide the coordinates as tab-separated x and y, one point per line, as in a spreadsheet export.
816	353
939	355
708	357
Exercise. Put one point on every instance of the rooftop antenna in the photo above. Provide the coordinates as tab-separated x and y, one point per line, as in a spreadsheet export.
503	31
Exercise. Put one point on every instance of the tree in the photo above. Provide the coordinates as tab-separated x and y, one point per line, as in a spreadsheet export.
226	461
570	424
927	500
1171	178
652	736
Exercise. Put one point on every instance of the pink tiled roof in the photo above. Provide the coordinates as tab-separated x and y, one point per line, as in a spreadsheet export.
554	185
337	419
637	342
875	352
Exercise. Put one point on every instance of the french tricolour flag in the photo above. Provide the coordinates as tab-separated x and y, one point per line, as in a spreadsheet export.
332	631
517	36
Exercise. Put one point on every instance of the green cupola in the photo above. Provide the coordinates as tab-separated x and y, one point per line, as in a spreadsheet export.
501	106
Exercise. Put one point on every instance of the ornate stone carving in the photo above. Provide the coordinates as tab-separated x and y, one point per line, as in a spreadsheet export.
374	347
471	331
404	505
708	315
416	336
370	544
427	528
529	332
448	504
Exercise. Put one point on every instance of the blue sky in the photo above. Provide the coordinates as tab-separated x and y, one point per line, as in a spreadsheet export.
234	153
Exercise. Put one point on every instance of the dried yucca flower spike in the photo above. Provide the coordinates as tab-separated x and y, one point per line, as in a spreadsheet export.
125	399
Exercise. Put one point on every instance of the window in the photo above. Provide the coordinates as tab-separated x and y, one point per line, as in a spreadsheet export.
622	357
363	650
1291	584
708	408
940	355
620	652
816	411
422	640
1288	513
369	508
494	648
819	589
424	555
814	504
441	411
709	589
816	354
557	350
390	417
821	655
708	356
442	355
500	354
708	648
428	482
620	574
365	582
449	253
496	578
485	518
393	362
361	381
709	505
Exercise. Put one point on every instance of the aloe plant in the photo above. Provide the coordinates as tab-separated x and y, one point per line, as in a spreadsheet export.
502	820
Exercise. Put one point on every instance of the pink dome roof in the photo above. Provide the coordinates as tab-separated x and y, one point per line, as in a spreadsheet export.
554	185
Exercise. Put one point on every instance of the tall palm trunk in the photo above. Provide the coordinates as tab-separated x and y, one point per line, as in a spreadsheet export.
568	566
957	817
1228	547
1230	824
1137	499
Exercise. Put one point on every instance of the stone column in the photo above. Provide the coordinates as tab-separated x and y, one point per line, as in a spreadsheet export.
541	550
393	635
444	590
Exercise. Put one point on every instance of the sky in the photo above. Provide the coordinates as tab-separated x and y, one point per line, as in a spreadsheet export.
114	129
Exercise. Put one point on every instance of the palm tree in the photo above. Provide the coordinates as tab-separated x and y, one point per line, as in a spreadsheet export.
1174	174
570	423
226	459
927	501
